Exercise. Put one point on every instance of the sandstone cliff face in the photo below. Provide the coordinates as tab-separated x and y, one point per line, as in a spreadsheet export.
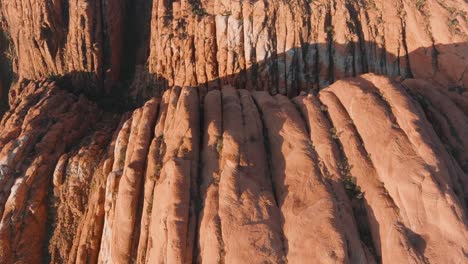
233	131
304	44
356	174
279	46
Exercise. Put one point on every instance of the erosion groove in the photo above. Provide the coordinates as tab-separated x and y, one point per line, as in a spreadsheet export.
215	131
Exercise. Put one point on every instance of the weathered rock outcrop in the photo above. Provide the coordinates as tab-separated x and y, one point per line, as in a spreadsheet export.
356	174
57	37
233	131
44	124
288	46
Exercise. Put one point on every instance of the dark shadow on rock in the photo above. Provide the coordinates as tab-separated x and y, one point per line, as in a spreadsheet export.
137	36
368	219
306	69
416	240
88	84
7	76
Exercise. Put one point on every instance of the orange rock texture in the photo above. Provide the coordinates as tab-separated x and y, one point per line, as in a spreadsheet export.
216	131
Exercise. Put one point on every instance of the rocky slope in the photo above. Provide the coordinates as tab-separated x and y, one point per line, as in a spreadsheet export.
233	131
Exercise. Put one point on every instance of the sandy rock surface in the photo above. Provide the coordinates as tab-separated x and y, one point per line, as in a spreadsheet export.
216	131
357	174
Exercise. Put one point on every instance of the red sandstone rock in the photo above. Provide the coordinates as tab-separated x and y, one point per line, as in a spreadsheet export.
299	44
302	193
224	162
28	157
414	186
276	176
381	212
263	45
237	192
65	37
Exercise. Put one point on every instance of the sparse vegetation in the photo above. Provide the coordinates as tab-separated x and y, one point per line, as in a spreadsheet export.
219	145
401	12
198	10
453	25
334	133
121	161
352	189
7	61
379	20
9	51
395	126
372	4
168	15
157	170
453	20
420	4
345	168
185	153
149	207
323	108
182	35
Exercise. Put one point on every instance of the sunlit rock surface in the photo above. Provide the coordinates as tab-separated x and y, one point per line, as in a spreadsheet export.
233	131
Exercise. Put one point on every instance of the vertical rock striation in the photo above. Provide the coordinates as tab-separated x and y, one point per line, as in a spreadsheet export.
233	131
